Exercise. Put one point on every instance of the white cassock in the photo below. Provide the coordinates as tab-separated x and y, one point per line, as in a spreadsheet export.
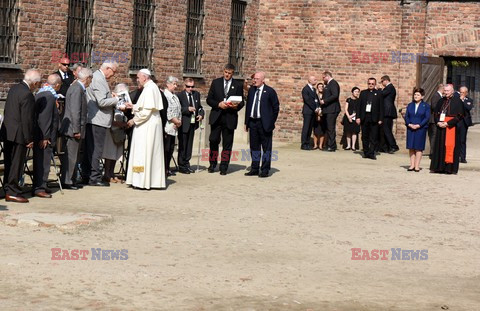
146	164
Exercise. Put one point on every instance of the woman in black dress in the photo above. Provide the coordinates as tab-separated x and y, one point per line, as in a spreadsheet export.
350	127
319	125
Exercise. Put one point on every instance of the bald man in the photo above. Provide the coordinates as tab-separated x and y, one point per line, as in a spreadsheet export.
45	133
310	104
17	132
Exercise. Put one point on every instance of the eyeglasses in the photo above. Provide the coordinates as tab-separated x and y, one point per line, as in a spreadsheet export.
371	83
65	64
189	86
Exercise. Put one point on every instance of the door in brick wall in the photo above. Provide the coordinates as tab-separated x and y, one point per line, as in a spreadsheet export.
466	72
430	75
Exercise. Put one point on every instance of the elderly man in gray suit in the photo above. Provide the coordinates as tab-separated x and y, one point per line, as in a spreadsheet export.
73	126
100	107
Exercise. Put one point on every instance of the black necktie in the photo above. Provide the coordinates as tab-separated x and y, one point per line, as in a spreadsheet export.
255	105
225	89
190	100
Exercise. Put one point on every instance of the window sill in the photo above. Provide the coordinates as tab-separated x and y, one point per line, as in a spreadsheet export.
193	75
10	66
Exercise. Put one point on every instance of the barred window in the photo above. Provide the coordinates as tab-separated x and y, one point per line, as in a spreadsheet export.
8	31
143	30
237	39
194	37
79	30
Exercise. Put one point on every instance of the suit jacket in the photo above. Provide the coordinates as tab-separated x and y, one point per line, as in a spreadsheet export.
216	95
101	103
389	95
377	111
75	117
310	100
19	115
163	112
468	104
65	82
421	117
269	107
186	115
46	117
331	94
433	103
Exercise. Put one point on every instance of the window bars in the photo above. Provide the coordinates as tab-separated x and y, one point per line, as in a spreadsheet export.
143	31
237	39
8	31
79	30
194	37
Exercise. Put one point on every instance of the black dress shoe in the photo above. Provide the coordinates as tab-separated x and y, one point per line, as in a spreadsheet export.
305	147
223	172
99	184
251	173
410	169
184	171
48	190
263	174
373	157
330	150
393	150
211	169
190	170
69	187
463	161
170	173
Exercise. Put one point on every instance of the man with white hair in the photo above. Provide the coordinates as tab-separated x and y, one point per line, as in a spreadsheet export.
73	127
17	132
146	166
101	104
310	105
45	134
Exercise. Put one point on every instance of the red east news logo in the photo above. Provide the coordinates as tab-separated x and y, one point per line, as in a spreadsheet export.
81	254
381	254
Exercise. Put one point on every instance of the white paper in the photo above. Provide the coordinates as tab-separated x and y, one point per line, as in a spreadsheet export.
235	99
442	117
368	108
124	97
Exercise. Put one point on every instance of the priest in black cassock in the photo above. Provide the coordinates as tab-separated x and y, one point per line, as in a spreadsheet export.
449	111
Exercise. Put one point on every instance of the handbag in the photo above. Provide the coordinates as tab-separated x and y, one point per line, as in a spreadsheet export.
118	135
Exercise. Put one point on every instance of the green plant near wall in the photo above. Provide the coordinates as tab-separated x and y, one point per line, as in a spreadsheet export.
457	63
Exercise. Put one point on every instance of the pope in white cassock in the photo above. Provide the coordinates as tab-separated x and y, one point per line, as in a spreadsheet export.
146	168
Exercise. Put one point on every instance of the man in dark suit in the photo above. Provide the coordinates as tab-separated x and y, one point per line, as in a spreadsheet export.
65	74
310	104
17	132
389	94
73	127
432	126
192	114
223	117
465	123
370	117
330	105
260	117
45	134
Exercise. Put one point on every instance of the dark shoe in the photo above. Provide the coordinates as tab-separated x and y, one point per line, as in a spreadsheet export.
410	169
463	161
393	150
99	184
191	171
223	172
305	147
184	171
263	174
17	199
170	173
417	171
48	190
211	169
330	150
373	157
85	181
251	173
348	148
43	194
69	187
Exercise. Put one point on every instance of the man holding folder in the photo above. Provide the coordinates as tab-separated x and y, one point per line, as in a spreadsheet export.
226	99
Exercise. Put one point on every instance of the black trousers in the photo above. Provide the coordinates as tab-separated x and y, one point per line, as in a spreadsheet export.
185	147
463	128
169	146
260	141
432	132
218	129
94	141
41	166
331	130
308	120
14	155
390	141
69	160
369	138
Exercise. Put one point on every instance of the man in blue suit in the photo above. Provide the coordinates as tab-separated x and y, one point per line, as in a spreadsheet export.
261	114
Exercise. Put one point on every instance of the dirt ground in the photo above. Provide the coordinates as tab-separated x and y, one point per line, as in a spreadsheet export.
212	242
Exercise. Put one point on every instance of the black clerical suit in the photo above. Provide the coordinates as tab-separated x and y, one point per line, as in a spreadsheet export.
330	111
17	133
223	122
186	132
463	128
432	127
389	94
260	117
46	125
310	104
370	120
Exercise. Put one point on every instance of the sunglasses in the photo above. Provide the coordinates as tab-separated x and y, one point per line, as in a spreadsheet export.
65	64
189	86
371	83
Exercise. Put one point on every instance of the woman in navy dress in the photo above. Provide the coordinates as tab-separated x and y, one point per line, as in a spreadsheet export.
416	120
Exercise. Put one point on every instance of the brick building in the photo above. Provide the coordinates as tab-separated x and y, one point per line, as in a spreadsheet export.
288	39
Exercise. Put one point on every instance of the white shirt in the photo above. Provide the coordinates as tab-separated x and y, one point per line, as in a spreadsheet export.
416	107
259	100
